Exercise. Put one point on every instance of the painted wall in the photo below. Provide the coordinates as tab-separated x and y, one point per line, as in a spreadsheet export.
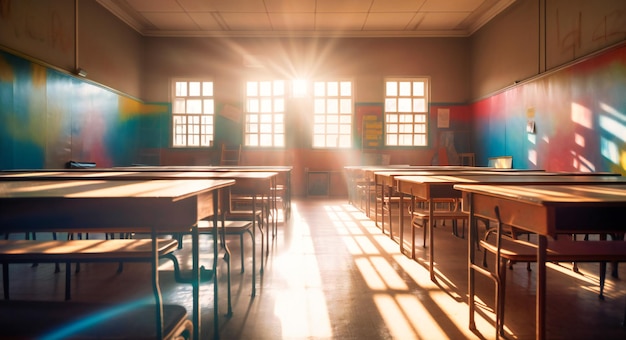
579	115
48	118
538	62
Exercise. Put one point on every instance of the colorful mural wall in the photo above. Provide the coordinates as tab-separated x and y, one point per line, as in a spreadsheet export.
48	118
573	119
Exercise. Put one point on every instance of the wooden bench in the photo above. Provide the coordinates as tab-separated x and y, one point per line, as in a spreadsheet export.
82	320
508	249
68	251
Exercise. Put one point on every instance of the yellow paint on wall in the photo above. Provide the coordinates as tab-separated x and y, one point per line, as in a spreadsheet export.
39	75
6	71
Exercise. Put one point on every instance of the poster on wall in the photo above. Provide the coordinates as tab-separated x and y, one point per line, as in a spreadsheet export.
369	125
443	118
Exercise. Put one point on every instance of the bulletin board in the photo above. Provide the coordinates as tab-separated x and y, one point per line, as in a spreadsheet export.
369	125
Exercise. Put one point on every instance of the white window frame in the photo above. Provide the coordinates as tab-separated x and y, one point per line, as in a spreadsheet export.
333	114
193	113
264	124
407	108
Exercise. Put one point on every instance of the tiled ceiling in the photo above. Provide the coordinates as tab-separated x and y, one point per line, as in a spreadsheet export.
289	18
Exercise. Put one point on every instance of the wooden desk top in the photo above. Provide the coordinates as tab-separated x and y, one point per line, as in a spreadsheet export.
548	210
170	205
245	168
574	194
521	178
134	175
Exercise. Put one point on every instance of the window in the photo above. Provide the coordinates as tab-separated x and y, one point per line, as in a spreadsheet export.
332	114
406	111
193	111
265	114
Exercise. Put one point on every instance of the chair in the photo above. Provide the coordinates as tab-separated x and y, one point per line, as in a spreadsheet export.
230	155
507	249
467	159
421	215
232	227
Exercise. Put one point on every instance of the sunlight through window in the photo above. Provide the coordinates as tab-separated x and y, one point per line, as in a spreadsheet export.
582	115
609	150
397	322
370	275
612	126
421	317
388	273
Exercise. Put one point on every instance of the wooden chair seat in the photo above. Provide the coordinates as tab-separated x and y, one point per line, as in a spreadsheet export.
420	217
123	250
559	250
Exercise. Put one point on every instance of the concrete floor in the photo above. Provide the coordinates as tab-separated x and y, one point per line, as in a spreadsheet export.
332	274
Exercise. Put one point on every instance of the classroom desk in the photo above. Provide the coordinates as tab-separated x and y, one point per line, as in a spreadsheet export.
428	188
546	211
115	206
284	171
256	184
386	181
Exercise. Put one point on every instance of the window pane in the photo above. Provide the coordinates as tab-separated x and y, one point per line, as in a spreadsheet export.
192	113
179	105
208	106
318	141
279	140
391	105
265	89
406	118
194	88
265	140
253	105
420	140
333	89
405	88
332	106
319	106
419	105
267	129
207	89
194	106
346	88
279	88
418	89
408	96
346	106
266	105
252	89
181	89
391	88
404	104
279	105
332	114
344	141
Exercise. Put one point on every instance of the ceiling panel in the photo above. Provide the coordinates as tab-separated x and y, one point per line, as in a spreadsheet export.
350	18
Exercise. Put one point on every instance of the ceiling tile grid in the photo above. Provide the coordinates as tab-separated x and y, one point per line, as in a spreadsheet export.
256	18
